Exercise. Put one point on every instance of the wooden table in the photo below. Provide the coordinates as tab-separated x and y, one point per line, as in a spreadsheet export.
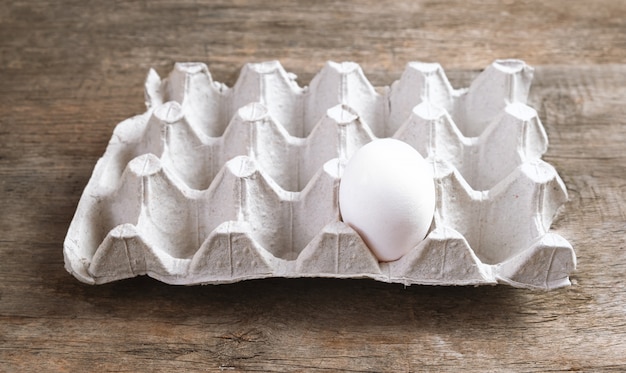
71	70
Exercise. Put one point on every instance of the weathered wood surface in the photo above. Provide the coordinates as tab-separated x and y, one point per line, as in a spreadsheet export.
71	70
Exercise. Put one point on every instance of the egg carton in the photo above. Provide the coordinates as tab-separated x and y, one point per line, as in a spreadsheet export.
216	184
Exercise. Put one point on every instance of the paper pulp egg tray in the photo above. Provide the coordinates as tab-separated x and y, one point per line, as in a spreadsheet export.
216	184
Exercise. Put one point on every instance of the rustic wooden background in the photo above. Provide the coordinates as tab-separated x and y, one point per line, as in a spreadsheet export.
71	70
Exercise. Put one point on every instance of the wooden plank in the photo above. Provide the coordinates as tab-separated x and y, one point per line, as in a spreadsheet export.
71	70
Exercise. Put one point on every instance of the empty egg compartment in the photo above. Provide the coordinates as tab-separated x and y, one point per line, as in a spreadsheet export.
156	201
209	106
155	224
215	184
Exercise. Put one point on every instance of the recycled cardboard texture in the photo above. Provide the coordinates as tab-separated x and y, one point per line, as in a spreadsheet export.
216	185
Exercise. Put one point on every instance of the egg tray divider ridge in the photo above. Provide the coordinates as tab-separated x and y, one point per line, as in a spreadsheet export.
214	184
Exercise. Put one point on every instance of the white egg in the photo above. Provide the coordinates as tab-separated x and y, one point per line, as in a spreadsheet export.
387	195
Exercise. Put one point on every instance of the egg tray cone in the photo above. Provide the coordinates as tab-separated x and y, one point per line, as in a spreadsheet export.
216	184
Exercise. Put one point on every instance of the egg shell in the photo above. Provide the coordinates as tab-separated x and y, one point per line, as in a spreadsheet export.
387	195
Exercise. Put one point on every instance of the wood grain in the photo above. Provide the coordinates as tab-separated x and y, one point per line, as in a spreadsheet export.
71	70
